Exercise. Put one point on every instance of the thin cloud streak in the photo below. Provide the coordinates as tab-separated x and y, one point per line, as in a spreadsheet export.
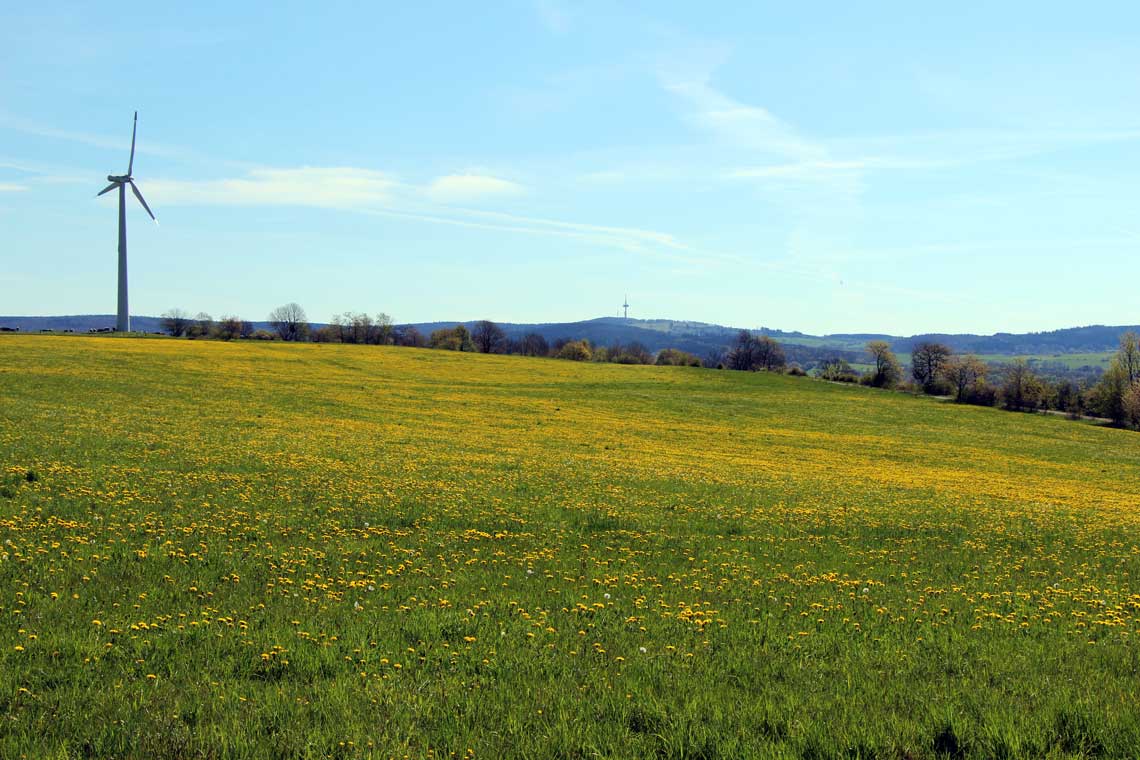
376	193
463	187
749	127
841	163
94	140
319	187
44	174
381	194
630	244
373	192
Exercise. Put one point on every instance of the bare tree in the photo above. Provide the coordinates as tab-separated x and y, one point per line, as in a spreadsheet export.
488	337
354	327
227	328
926	362
751	352
770	354
175	322
742	355
325	334
362	327
341	324
714	359
533	344
201	327
409	336
887	370
963	373
383	330
290	322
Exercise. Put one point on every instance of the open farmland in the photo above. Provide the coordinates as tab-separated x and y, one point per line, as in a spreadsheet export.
265	550
1070	361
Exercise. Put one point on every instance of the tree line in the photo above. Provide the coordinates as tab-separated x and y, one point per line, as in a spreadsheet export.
938	371
935	369
290	323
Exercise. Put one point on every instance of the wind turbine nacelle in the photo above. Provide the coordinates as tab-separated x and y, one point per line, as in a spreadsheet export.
113	178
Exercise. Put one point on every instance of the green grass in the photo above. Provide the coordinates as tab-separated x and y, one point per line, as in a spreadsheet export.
564	560
1071	361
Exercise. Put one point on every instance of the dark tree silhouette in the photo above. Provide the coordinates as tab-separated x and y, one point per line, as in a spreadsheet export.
488	337
176	322
926	362
750	352
533	344
289	322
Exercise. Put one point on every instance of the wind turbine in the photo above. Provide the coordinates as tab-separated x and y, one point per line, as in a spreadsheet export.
123	322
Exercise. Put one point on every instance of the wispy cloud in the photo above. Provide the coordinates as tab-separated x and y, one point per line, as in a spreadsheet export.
46	174
751	143
378	193
147	147
769	149
745	126
467	187
344	187
121	144
319	187
8	187
630	240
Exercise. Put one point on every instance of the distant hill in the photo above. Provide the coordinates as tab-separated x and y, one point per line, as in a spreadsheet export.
695	337
701	338
1072	340
82	323
78	323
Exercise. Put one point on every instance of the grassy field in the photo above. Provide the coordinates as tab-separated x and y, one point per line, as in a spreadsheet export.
266	550
1039	361
1071	361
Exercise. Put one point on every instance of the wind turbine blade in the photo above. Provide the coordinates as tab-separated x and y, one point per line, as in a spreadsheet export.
139	196
131	165
107	189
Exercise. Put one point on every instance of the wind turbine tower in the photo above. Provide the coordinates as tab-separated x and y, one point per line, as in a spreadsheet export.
625	305
123	322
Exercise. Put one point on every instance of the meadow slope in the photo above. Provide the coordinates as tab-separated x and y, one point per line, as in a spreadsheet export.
266	550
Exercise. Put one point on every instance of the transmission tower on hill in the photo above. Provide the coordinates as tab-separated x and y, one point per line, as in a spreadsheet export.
625	306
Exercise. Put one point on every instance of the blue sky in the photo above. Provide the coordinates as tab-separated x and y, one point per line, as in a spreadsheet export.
894	168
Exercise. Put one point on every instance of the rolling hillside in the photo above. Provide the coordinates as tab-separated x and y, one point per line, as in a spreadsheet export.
1073	347
262	550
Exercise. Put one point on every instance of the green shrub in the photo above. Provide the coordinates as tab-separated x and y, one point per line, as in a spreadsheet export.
575	350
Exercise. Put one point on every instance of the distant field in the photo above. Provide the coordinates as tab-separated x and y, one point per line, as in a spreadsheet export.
1072	361
832	343
268	550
